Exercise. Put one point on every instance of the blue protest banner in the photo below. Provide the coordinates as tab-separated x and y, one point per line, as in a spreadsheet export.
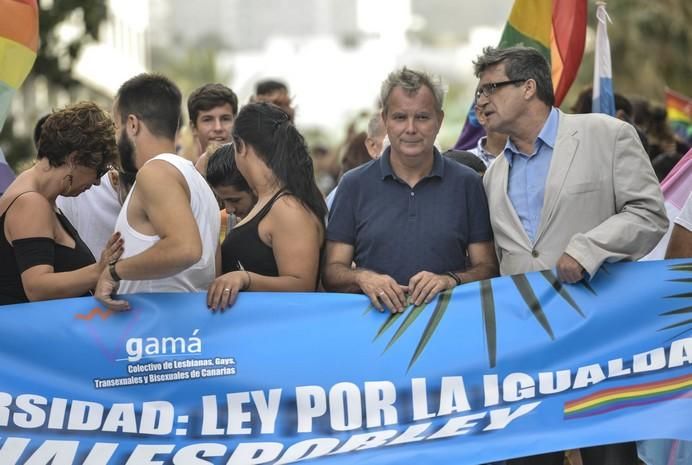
508	367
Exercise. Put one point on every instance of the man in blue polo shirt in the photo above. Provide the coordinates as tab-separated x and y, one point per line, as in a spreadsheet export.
413	222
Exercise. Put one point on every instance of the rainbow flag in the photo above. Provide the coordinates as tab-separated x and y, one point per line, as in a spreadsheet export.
607	400
557	28
676	187
18	46
679	112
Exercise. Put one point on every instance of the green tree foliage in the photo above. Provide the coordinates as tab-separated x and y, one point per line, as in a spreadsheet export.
55	57
192	65
650	46
19	150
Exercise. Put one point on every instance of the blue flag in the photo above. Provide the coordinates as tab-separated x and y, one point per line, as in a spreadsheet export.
603	99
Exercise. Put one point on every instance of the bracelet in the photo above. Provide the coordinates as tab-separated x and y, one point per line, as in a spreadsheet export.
114	274
454	276
249	280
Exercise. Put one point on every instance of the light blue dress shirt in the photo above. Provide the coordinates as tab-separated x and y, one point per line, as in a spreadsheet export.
528	174
479	150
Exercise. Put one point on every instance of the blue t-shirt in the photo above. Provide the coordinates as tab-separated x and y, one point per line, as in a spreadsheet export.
398	230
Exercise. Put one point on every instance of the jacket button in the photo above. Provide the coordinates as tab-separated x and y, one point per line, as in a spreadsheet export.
534	253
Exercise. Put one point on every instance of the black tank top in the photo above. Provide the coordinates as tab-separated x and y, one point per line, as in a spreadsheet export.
65	258
244	250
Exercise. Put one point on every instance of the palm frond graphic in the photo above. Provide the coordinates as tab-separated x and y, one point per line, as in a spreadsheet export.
488	311
685	324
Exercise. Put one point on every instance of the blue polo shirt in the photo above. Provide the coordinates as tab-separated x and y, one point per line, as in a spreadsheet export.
398	230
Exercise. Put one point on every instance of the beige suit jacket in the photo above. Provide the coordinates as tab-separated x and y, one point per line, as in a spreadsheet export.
602	200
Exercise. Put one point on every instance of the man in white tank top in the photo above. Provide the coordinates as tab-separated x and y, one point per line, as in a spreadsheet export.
170	219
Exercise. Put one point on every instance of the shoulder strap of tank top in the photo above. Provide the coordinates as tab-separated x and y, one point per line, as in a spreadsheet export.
67	226
13	200
269	204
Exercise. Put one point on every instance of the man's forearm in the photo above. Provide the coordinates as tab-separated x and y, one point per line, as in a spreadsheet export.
341	278
478	272
164	259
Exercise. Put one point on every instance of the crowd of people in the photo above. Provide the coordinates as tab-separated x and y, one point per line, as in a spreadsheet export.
664	146
543	189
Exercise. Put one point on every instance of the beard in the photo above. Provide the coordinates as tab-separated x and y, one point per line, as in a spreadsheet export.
127	153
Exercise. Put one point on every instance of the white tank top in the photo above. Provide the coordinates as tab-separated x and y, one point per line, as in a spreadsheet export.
205	209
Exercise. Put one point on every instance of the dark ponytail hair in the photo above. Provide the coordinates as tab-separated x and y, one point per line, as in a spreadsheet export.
278	143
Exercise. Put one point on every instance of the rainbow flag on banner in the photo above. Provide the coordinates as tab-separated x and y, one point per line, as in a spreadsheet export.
608	400
557	28
18	46
679	110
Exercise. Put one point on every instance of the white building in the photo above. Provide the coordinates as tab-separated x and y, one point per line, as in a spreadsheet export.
122	50
243	25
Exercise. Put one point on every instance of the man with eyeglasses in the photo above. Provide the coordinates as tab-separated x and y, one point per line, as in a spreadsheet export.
571	191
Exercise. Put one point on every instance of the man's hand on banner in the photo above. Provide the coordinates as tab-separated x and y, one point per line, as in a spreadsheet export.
382	289
569	270
424	286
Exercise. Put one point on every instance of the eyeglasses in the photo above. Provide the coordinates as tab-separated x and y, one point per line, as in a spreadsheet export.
489	89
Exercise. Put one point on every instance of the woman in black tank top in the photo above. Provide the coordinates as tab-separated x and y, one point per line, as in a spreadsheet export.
43	256
244	249
277	246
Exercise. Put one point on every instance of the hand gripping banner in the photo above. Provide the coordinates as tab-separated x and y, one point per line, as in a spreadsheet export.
509	367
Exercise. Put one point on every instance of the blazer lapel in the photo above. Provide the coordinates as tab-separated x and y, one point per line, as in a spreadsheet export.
566	145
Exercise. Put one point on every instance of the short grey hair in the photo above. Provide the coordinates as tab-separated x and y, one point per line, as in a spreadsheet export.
520	63
411	81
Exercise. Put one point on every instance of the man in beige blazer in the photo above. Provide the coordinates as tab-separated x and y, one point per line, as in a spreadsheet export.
569	191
